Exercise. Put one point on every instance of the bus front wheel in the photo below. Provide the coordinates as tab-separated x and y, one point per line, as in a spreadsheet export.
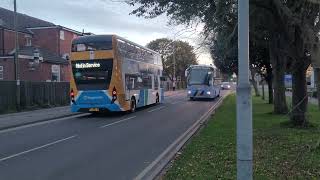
133	105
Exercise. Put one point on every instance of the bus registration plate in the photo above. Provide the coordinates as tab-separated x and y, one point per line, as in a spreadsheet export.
94	109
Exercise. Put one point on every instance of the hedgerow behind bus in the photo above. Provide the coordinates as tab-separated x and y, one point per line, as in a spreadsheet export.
113	74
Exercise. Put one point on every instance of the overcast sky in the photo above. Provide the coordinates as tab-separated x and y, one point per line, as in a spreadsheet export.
103	17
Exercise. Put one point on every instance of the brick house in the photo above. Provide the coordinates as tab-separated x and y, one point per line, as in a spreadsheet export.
44	48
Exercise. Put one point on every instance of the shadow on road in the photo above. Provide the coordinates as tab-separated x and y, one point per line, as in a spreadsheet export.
109	114
205	99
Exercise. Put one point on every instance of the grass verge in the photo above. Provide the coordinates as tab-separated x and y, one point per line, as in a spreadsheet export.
280	152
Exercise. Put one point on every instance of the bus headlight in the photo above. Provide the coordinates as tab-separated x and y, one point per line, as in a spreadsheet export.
208	92
189	92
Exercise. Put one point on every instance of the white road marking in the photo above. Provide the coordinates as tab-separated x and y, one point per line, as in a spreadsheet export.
176	145
37	148
156	109
107	125
42	122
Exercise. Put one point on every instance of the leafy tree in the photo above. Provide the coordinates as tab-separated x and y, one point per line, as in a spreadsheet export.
294	43
220	20
179	51
287	29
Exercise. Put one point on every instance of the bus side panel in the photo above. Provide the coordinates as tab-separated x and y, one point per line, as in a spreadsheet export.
117	79
152	96
142	98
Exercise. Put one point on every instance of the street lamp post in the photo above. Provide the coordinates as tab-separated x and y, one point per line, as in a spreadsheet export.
16	54
244	103
174	62
16	57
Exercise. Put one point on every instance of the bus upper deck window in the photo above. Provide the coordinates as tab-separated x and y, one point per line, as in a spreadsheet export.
81	47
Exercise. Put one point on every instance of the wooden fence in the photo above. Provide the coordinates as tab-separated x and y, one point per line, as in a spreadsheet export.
43	94
33	95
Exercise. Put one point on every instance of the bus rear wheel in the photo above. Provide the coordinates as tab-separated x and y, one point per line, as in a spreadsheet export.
157	98
133	105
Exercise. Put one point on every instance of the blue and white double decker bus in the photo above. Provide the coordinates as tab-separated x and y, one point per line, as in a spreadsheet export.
110	73
201	82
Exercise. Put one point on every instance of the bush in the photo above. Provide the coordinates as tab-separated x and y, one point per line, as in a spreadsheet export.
314	94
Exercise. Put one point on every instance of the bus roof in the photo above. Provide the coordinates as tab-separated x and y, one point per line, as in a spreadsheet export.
202	66
108	38
130	42
92	38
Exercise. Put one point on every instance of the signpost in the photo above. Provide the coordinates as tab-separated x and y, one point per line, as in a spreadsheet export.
288	81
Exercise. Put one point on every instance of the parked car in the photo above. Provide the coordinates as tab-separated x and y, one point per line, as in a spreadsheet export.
225	85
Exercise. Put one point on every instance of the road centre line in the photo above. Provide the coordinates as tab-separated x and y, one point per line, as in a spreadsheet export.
156	109
37	148
117	122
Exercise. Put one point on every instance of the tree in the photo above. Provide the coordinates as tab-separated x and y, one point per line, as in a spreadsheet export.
266	31
295	42
170	50
290	27
219	18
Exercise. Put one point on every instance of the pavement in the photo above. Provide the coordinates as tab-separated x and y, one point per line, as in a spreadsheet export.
113	146
28	117
311	100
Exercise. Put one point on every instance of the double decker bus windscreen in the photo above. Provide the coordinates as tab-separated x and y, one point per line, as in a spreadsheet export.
92	44
92	74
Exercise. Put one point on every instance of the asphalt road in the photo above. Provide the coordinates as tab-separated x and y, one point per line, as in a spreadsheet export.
114	146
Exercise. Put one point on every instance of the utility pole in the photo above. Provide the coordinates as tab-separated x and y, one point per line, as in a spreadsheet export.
16	57
244	102
174	61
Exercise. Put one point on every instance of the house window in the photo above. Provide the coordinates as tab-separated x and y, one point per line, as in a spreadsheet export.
1	72
28	40
62	35
55	73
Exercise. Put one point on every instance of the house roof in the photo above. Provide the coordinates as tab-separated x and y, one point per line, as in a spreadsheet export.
24	21
47	56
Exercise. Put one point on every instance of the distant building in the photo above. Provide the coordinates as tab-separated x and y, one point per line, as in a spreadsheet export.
44	48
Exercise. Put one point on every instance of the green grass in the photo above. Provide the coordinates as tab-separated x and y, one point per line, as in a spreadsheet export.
279	152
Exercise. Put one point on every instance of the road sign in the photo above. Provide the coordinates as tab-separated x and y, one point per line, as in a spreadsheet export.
288	80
